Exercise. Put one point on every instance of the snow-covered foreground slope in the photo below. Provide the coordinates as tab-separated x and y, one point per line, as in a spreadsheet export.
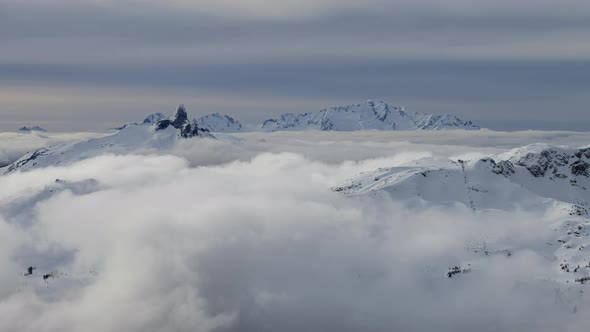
370	115
524	177
156	132
539	178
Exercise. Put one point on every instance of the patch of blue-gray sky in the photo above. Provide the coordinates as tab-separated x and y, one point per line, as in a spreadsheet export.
79	65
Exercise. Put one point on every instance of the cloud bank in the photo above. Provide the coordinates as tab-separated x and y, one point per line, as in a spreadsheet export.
257	242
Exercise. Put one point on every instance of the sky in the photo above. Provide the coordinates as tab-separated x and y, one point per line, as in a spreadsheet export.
78	65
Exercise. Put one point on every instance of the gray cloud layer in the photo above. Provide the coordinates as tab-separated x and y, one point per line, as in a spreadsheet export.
484	61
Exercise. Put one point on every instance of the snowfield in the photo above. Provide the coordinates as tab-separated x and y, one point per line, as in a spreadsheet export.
169	225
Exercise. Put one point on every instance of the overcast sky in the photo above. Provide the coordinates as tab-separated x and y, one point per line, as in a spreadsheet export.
91	64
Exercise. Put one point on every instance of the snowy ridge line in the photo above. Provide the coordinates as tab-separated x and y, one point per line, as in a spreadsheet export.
533	175
156	132
371	115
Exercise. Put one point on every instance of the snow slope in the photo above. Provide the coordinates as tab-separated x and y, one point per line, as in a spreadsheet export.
153	118
548	180
218	123
158	135
526	177
369	115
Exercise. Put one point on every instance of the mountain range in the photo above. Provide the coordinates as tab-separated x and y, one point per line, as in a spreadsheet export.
538	177
371	115
26	129
156	132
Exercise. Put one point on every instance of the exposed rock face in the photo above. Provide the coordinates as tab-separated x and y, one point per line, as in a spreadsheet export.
30	158
561	163
180	121
580	168
504	167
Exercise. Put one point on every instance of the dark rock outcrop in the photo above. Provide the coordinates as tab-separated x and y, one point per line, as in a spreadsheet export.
181	122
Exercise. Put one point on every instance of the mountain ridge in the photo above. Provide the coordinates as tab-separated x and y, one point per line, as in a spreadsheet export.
26	129
371	115
161	134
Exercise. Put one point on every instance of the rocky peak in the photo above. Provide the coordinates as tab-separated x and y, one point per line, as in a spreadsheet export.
180	121
29	129
544	160
180	118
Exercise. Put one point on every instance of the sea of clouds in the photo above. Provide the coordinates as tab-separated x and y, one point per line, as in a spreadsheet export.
247	236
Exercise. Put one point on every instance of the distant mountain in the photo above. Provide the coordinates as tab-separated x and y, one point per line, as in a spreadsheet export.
366	116
159	135
181	122
148	121
30	129
218	123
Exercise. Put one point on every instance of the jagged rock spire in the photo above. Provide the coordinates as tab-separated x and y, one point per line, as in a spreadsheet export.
180	121
180	117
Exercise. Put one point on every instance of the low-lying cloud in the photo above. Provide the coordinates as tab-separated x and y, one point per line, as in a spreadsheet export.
258	242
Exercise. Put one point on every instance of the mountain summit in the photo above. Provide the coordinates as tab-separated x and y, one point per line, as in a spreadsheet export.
218	123
156	132
30	129
371	115
181	122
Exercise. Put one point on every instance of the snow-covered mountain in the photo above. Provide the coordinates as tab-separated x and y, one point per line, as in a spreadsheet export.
218	123
161	134
529	176
427	121
548	180
369	115
30	129
215	122
366	116
148	121
153	118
